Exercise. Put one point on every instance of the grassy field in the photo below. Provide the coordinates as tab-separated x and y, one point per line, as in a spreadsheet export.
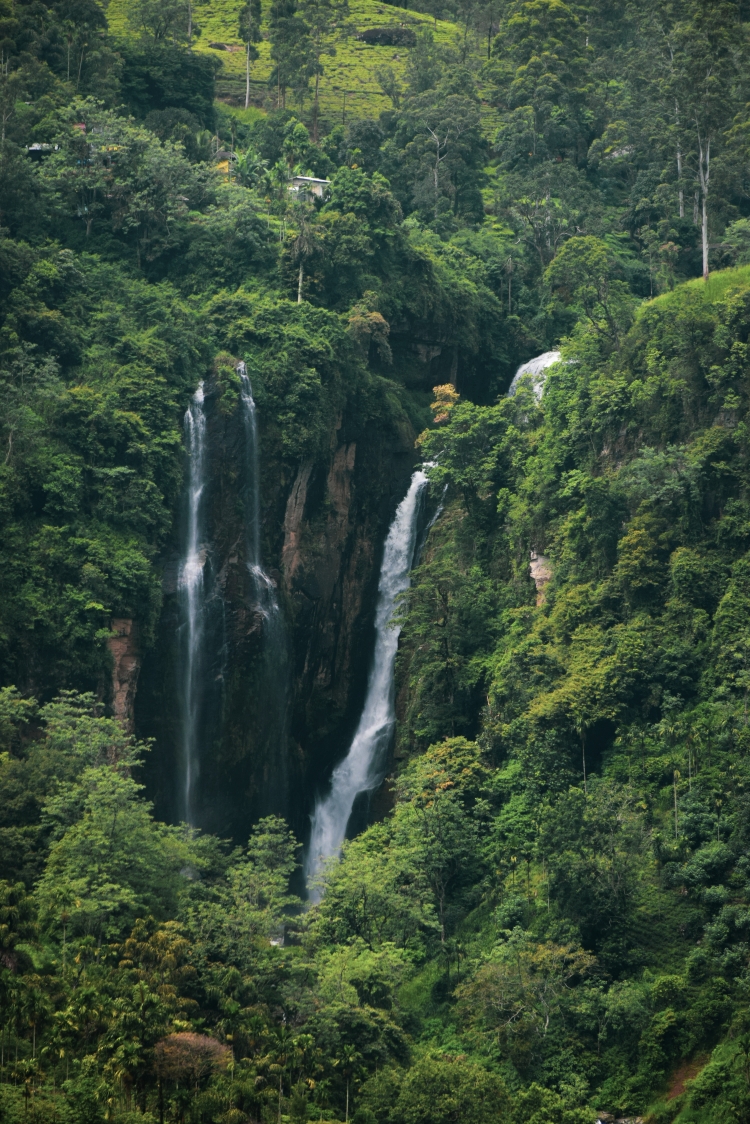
347	89
719	283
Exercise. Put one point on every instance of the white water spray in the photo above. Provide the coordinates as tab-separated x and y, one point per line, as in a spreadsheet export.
362	768
534	371
191	589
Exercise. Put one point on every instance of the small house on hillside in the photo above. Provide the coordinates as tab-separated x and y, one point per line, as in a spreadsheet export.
309	184
224	160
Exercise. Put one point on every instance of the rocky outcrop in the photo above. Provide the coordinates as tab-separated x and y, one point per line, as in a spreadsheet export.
541	572
336	519
291	555
126	665
388	36
609	1118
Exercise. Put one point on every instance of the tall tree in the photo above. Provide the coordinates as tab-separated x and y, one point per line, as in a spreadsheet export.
290	50
321	17
163	19
249	29
707	59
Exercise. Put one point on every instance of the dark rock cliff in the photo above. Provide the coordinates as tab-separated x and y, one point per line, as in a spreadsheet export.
324	524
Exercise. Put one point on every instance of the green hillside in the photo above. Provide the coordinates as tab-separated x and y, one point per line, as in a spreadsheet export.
350	72
375	723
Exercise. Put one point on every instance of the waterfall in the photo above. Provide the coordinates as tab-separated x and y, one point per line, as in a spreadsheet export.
191	590
275	678
252	522
265	590
362	768
534	372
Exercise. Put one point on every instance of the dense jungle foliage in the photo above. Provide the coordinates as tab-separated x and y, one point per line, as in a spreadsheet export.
554	917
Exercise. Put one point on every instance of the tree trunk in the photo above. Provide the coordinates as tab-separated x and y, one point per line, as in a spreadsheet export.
680	192
299	284
437	175
247	76
315	110
704	179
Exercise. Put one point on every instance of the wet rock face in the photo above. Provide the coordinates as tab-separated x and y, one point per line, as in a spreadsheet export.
126	665
336	520
323	527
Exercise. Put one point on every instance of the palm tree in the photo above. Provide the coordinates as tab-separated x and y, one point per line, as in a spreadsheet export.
305	241
277	1059
348	1062
249	30
250	170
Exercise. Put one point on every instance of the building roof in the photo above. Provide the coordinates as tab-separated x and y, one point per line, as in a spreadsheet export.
308	179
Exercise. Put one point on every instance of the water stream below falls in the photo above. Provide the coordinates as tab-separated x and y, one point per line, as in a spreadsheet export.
362	768
192	596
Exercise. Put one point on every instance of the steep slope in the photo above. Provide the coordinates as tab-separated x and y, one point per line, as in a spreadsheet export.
544	913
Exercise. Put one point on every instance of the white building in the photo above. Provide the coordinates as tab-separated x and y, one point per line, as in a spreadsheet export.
309	184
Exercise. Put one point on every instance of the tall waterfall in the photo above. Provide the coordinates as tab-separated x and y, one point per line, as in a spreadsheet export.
362	768
264	587
192	596
275	655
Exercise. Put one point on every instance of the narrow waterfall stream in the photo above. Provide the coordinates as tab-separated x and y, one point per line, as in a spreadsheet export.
264	587
191	590
275	683
362	768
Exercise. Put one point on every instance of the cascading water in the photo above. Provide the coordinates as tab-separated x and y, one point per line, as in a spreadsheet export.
534	371
264	587
362	768
276	671
192	596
